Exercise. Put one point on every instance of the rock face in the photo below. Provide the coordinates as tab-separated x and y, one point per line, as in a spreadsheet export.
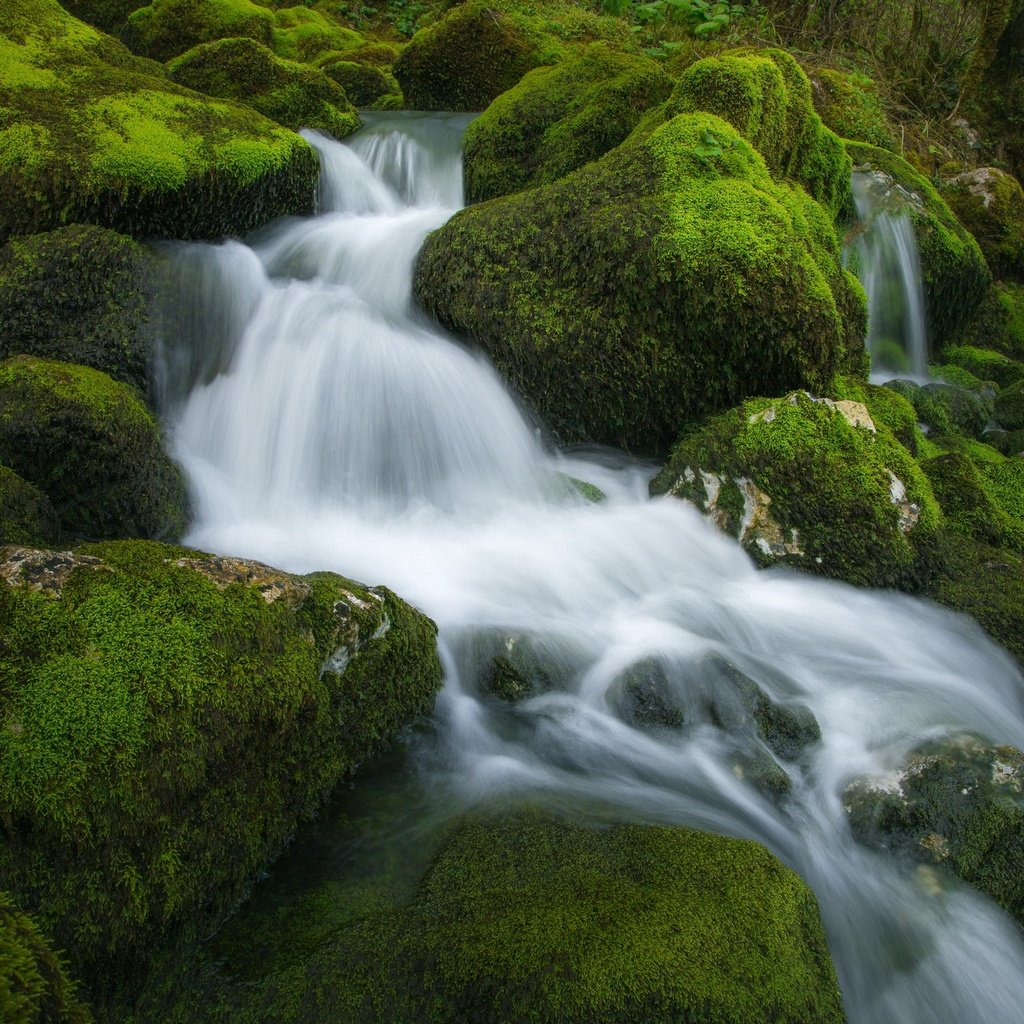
529	918
78	294
88	133
90	445
558	119
780	474
293	94
990	204
168	719
668	278
957	803
955	275
483	47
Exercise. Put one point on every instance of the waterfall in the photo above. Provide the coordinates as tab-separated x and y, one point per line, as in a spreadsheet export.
324	423
889	269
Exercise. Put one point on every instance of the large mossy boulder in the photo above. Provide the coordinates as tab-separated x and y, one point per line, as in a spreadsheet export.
558	119
955	275
91	446
26	514
527	918
671	277
88	133
34	986
811	483
999	322
958	803
78	294
990	204
293	94
849	104
480	48
169	718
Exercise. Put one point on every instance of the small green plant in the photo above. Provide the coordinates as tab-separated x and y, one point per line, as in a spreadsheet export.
710	146
701	17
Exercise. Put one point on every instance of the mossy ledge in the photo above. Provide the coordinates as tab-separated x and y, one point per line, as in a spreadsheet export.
89	133
169	718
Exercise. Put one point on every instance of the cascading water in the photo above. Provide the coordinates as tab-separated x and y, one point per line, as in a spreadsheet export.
889	269
324	423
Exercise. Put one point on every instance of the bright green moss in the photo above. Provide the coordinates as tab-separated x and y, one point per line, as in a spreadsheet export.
26	515
34	987
955	276
885	406
364	84
90	445
119	144
987	364
990	204
303	34
169	718
849	104
558	119
999	322
858	503
166	28
78	294
969	508
532	919
295	95
649	286
483	47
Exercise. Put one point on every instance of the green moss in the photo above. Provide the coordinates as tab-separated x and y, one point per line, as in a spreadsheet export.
111	140
948	408
1009	407
955	276
961	491
26	515
166	28
80	295
90	445
108	15
303	34
766	96
649	286
295	95
532	919
885	404
34	987
558	119
482	47
999	322
364	84
987	364
990	204
835	506
169	718
849	104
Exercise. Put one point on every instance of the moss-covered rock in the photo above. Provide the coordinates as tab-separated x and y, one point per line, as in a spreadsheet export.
986	364
295	95
948	408
88	133
79	294
165	28
849	104
990	204
961	492
999	322
532	919
811	483
766	96
26	514
670	277
108	15
300	33
364	84
958	803
34	986
169	718
955	275
483	47
558	119
1009	407
91	446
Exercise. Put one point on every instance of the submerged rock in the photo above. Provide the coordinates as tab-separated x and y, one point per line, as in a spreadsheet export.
670	277
808	482
167	720
91	446
89	133
957	803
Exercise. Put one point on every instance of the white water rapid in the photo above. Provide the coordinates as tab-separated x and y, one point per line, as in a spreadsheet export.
325	424
890	271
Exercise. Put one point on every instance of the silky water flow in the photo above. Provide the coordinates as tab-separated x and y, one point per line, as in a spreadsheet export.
325	423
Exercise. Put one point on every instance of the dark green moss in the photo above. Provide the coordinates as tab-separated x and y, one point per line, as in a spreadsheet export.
961	492
1009	406
483	47
165	28
295	95
558	119
955	275
958	804
849	104
26	515
169	718
949	408
364	84
999	322
34	987
79	294
843	500
91	446
649	286
990	204
108	15
90	134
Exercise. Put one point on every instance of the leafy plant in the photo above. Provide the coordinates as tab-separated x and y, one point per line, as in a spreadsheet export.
701	17
710	145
